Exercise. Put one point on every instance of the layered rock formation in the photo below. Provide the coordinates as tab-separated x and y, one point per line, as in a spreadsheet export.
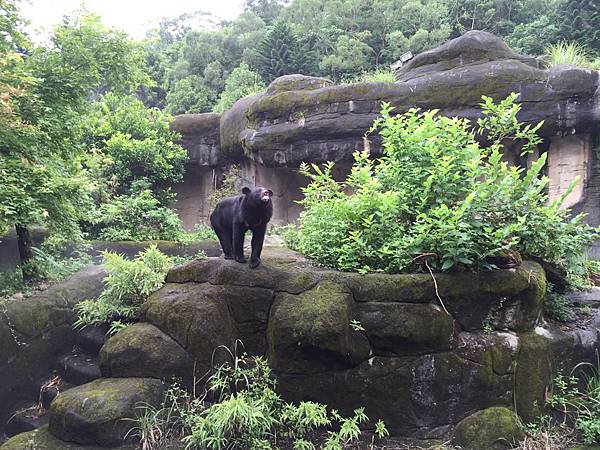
309	119
380	341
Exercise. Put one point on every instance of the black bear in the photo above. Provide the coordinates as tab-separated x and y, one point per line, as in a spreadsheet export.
234	216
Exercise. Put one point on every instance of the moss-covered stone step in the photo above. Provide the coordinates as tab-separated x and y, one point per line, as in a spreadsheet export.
79	368
143	350
42	439
101	412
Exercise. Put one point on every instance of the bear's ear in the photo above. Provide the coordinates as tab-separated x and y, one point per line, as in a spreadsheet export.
246	191
270	192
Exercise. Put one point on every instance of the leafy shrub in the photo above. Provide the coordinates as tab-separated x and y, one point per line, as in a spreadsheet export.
131	142
246	413
128	284
138	216
437	197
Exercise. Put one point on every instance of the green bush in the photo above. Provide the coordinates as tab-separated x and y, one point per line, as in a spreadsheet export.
246	413
130	142
138	216
438	198
128	285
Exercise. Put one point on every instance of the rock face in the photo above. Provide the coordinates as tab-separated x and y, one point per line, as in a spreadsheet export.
36	330
301	118
379	341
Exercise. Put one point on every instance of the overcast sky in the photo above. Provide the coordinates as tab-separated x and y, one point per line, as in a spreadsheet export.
133	16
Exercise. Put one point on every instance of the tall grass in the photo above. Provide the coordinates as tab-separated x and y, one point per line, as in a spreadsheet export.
570	53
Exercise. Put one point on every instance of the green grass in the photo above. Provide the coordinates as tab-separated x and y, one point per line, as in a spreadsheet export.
570	53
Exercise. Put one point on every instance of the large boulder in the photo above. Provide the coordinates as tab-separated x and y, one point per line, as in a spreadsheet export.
42	439
284	127
493	428
201	138
35	330
142	350
311	332
195	317
102	412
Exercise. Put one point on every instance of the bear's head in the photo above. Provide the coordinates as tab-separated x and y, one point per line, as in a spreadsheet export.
257	196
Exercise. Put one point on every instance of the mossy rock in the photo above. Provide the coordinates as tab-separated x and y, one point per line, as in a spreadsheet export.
196	316
534	373
42	439
297	82
445	387
280	270
101	412
490	429
397	328
310	332
142	350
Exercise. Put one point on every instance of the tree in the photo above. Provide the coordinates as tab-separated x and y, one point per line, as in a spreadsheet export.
279	52
267	10
580	21
190	95
44	95
350	56
240	83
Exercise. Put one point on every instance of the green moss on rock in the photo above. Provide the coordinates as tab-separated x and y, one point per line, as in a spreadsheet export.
42	439
311	332
490	429
142	350
99	413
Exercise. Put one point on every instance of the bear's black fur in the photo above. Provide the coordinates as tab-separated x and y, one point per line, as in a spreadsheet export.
234	216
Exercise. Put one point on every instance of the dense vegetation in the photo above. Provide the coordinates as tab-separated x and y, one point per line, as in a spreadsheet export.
437	198
340	39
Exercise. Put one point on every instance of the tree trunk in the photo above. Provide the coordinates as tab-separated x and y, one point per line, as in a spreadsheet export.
26	254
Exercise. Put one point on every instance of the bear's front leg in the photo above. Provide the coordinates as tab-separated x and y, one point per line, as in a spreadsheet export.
239	231
258	238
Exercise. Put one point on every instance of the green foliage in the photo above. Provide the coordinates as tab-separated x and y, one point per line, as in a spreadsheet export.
569	53
189	95
201	232
280	52
380	75
128	285
43	97
48	264
556	306
579	20
231	185
132	142
240	83
246	413
138	216
577	398
437	197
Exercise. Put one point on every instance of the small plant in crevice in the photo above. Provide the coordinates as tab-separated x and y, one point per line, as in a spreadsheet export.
245	412
128	285
576	400
556	306
231	185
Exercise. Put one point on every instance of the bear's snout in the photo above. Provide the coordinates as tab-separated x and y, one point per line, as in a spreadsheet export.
265	197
